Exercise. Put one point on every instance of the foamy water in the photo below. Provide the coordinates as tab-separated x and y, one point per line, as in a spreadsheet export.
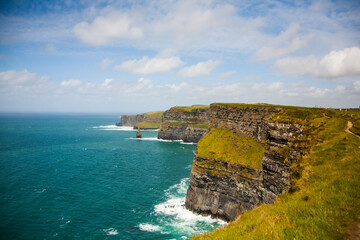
111	231
120	128
114	128
172	216
154	139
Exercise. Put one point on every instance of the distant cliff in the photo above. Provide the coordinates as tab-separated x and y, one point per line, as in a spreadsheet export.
150	120
244	160
185	123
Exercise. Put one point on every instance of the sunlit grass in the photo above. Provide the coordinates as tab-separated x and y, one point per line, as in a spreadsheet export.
151	120
224	145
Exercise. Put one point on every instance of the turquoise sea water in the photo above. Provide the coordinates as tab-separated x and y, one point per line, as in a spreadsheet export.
81	177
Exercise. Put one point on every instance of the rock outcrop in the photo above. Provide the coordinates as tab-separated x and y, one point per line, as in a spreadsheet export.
223	186
185	123
138	133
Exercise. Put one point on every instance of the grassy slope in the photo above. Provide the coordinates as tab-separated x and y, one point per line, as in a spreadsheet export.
220	143
259	105
152	120
189	108
327	201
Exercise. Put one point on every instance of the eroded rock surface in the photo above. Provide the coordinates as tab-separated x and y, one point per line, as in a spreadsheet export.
223	189
185	123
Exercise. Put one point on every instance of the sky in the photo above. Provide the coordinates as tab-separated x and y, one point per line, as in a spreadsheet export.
106	56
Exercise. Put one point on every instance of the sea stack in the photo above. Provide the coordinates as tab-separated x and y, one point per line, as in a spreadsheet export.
138	133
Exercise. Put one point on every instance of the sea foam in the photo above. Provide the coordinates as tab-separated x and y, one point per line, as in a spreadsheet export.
173	217
114	128
121	128
154	139
149	227
111	231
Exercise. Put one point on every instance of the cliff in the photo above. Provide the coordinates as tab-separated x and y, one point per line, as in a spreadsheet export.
150	120
244	161
185	123
323	199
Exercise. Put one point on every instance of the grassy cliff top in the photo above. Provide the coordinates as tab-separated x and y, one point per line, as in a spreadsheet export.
326	202
151	120
155	114
222	144
257	105
189	108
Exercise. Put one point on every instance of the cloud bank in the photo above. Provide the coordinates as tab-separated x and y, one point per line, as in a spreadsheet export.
333	65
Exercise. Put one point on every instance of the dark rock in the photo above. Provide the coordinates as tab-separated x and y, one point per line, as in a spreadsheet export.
182	131
182	123
138	133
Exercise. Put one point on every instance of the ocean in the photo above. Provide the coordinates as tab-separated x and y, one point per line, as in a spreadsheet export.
77	176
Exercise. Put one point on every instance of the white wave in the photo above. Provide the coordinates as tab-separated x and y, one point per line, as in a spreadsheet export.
114	128
121	128
111	231
149	227
176	207
40	191
172	216
188	167
154	139
189	143
178	189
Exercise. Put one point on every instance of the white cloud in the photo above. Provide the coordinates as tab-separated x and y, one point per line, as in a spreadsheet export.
335	64
188	19
71	83
357	86
20	78
148	65
104	64
141	85
287	42
19	89
199	69
106	83
104	30
226	74
275	86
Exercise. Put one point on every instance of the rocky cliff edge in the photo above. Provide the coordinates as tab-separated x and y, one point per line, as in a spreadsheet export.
243	161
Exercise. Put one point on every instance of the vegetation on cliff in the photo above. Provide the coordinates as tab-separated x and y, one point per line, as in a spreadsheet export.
220	143
191	108
151	120
324	201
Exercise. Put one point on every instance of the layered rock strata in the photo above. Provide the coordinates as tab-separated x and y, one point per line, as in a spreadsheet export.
222	187
185	123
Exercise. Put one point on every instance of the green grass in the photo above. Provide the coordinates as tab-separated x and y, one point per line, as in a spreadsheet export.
258	105
327	200
222	144
151	120
188	108
356	127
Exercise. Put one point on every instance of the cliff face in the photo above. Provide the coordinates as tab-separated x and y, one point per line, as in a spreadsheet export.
224	186
185	123
130	120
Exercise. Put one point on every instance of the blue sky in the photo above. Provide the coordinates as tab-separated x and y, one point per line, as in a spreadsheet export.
138	56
